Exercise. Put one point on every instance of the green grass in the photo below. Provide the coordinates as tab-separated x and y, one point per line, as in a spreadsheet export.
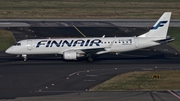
175	33
142	80
6	39
68	9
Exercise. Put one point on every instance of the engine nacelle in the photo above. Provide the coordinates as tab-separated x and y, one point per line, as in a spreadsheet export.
70	55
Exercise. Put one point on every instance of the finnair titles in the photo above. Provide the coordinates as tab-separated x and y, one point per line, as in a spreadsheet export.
79	42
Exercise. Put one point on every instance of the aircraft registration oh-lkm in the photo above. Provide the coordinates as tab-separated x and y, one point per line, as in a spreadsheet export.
73	48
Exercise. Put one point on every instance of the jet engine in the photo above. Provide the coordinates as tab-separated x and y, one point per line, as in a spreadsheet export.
70	55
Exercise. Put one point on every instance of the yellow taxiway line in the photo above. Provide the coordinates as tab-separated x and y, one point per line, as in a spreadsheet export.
79	31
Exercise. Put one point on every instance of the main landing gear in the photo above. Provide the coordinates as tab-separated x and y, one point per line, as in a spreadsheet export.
89	58
25	57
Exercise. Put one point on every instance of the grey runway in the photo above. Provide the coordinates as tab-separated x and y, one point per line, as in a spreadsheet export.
82	22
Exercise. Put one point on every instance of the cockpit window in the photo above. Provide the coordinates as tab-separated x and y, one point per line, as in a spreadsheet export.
17	44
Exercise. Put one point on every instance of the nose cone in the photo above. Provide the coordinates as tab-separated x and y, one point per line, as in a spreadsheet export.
8	51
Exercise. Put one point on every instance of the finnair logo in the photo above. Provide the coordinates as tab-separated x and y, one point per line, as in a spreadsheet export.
68	43
160	24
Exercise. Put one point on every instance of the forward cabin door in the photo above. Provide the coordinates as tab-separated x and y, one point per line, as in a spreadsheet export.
29	44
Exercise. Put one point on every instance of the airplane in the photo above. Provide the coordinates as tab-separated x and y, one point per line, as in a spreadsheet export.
73	48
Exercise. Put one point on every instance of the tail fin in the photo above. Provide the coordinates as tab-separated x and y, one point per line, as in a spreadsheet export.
160	28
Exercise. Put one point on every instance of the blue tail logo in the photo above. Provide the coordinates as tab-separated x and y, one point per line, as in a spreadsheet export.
160	24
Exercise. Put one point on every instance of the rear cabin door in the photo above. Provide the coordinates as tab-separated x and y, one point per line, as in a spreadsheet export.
136	40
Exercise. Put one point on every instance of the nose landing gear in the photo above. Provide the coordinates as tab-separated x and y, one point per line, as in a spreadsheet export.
25	57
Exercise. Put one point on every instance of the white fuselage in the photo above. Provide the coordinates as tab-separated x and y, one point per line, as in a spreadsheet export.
58	46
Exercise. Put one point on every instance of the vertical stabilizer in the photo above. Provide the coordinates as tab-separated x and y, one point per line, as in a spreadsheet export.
160	28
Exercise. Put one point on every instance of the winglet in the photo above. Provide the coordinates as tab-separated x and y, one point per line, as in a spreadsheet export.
103	36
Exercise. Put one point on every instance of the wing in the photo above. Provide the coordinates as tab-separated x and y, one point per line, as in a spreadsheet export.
93	51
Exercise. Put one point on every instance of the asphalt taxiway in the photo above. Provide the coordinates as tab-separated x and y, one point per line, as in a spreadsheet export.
70	80
49	77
